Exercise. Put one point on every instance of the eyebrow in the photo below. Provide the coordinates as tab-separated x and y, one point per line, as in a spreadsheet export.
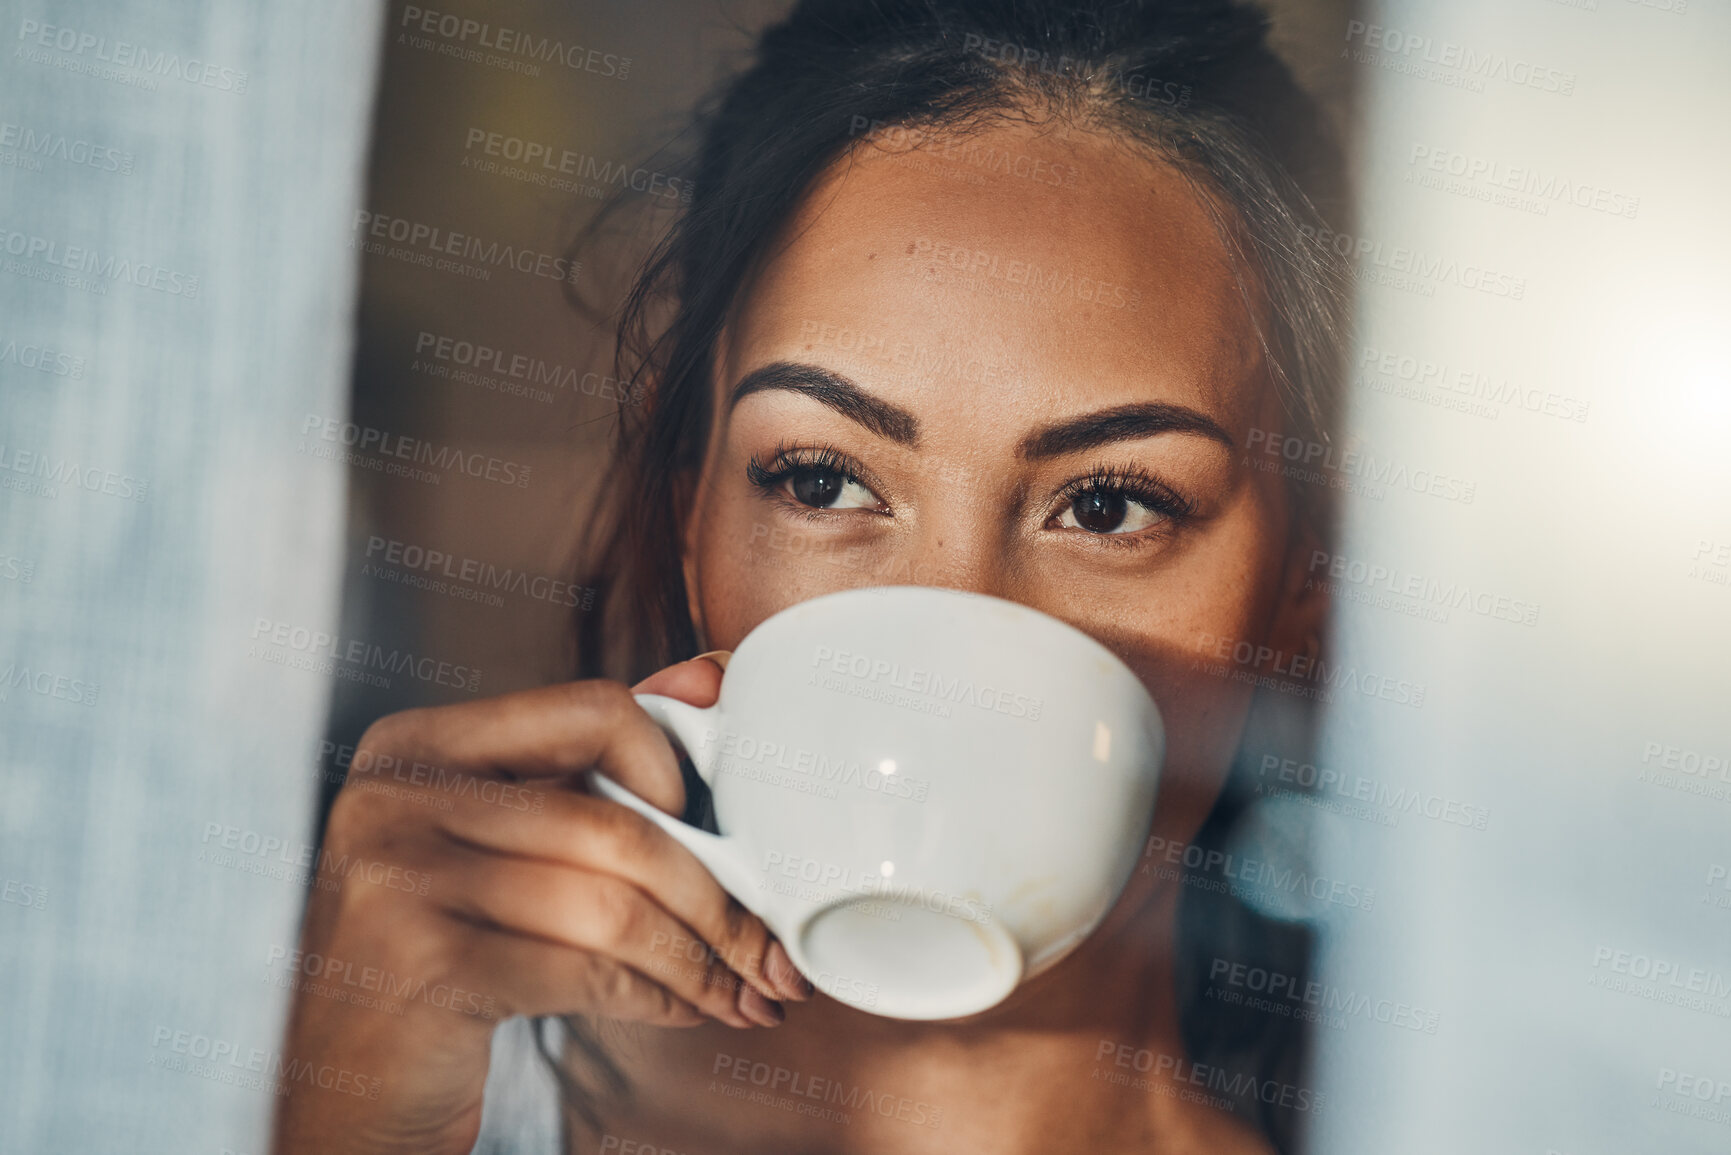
1120	423
837	392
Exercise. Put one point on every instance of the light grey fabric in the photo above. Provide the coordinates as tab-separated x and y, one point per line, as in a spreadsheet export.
155	507
520	1114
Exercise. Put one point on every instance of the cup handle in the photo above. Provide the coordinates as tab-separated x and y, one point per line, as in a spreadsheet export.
693	727
726	858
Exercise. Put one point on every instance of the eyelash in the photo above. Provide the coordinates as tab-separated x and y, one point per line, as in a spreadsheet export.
787	460
1139	486
1135	484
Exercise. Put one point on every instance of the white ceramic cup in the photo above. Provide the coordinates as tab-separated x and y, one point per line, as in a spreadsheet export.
927	795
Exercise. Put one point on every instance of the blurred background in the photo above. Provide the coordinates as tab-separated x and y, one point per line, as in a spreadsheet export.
358	231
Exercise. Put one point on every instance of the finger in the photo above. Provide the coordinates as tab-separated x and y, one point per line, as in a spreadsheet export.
598	913
603	837
552	731
516	974
697	681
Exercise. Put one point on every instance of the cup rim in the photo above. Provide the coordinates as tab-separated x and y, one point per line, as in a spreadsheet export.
1038	619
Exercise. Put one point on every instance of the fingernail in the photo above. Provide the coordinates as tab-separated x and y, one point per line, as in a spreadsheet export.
759	1009
719	657
779	968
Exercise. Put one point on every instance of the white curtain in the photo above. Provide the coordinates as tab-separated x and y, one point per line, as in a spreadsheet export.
177	183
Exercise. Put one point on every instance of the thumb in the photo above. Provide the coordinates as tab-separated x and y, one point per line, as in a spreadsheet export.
696	682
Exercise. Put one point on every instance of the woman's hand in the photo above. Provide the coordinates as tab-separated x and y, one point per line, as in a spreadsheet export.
466	877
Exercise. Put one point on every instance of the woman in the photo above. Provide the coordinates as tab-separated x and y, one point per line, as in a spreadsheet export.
991	295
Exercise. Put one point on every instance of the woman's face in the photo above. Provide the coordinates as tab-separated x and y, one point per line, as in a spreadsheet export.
1017	364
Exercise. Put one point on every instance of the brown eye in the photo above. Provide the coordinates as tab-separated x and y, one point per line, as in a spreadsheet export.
1099	512
823	488
815	478
1109	511
818	488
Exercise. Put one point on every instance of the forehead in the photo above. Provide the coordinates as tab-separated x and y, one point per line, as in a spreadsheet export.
1046	270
